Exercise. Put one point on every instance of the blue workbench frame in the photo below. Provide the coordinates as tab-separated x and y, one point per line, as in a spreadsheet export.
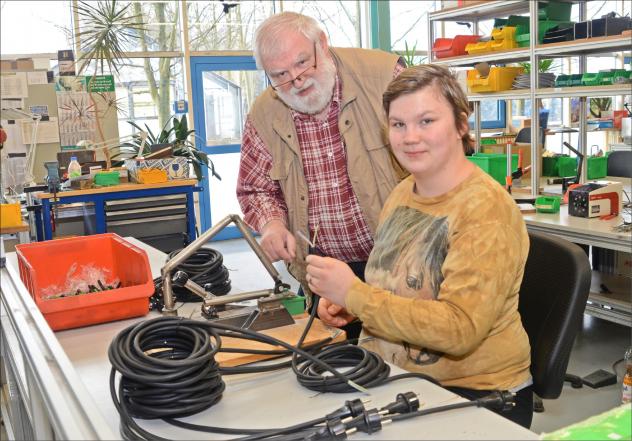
98	199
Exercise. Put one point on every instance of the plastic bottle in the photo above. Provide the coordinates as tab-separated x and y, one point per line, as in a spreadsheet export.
74	169
626	394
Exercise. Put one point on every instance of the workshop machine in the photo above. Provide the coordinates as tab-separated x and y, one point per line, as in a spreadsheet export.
269	312
595	199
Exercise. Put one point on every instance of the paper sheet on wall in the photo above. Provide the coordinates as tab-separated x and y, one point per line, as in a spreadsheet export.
13	85
77	117
14	143
12	103
47	131
37	77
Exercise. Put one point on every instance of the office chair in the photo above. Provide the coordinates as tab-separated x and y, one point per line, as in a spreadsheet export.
524	136
620	164
552	300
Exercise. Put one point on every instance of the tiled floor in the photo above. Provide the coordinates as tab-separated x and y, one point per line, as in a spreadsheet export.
598	346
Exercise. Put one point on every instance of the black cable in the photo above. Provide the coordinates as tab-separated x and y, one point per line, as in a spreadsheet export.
204	267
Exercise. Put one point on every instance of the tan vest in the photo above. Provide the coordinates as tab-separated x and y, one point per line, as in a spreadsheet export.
372	169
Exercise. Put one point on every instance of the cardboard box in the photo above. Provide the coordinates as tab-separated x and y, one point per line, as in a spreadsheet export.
176	167
18	65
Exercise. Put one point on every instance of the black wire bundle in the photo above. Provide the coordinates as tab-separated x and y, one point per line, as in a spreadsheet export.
364	368
204	267
167	370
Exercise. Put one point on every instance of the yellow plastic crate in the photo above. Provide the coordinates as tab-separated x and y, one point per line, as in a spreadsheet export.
10	215
504	33
499	78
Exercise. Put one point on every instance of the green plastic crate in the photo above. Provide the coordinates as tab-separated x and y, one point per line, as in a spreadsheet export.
550	166
597	167
495	164
107	178
567	166
554	10
523	34
591	79
568	80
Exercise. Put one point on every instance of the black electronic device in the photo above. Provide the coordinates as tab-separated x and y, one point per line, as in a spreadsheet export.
600	378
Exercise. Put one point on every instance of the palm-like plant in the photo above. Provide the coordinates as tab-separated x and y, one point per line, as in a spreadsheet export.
176	133
107	30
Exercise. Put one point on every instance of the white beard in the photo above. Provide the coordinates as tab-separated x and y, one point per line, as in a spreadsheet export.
320	95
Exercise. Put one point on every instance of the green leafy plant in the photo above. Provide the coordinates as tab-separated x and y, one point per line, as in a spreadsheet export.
410	57
545	65
175	133
107	30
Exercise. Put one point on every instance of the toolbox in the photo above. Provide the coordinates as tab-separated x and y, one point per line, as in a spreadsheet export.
47	266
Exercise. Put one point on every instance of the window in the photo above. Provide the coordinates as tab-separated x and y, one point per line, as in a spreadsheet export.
35	27
146	90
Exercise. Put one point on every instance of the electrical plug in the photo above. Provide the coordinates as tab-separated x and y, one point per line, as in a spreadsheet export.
333	429
404	403
351	408
369	421
502	400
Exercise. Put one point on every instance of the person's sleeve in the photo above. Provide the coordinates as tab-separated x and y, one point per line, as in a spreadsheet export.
260	197
479	273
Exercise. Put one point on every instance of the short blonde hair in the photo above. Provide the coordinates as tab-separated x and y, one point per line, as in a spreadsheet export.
267	35
419	77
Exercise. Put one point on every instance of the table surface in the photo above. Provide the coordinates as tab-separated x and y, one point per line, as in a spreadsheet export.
116	188
276	399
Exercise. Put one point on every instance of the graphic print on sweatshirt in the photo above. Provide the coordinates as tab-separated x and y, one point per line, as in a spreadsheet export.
409	251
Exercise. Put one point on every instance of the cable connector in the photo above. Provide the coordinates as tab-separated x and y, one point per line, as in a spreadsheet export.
404	403
370	421
501	400
334	429
351	408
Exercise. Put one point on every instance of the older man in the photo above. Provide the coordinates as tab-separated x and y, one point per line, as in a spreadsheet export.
314	154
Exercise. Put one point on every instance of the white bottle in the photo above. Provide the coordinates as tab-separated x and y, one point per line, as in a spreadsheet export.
74	168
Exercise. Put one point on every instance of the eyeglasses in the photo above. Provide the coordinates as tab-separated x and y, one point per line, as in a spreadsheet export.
300	75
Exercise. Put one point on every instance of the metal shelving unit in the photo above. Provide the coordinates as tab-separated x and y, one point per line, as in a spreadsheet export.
579	48
611	307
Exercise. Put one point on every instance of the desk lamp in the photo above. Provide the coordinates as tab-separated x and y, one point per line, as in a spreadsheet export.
18	114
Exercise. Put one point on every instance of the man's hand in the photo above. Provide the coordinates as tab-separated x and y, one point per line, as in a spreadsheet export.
332	314
330	278
277	242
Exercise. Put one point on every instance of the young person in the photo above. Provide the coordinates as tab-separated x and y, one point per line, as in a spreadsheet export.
442	281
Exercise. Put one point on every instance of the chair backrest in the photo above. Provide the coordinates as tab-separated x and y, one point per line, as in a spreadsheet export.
620	163
524	136
552	300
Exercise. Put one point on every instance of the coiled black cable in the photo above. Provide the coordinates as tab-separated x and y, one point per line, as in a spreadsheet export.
204	267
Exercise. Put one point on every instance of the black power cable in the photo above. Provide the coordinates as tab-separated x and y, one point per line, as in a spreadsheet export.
204	267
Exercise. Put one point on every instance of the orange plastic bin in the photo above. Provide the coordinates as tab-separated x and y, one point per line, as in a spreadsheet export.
453	47
46	264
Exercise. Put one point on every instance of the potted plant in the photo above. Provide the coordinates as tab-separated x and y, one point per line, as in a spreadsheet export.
175	134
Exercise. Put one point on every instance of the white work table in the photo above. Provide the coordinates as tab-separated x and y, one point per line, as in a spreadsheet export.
73	389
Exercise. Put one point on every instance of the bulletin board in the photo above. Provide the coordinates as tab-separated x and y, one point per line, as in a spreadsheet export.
44	96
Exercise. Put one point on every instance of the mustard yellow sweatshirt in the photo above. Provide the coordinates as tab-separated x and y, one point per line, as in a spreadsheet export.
441	296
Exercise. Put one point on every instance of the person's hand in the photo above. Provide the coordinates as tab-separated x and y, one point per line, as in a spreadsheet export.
332	314
330	278
277	241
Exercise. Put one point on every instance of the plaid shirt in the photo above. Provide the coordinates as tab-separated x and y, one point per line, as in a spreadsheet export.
332	206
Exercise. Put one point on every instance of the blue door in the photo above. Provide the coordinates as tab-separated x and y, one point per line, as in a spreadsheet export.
223	88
